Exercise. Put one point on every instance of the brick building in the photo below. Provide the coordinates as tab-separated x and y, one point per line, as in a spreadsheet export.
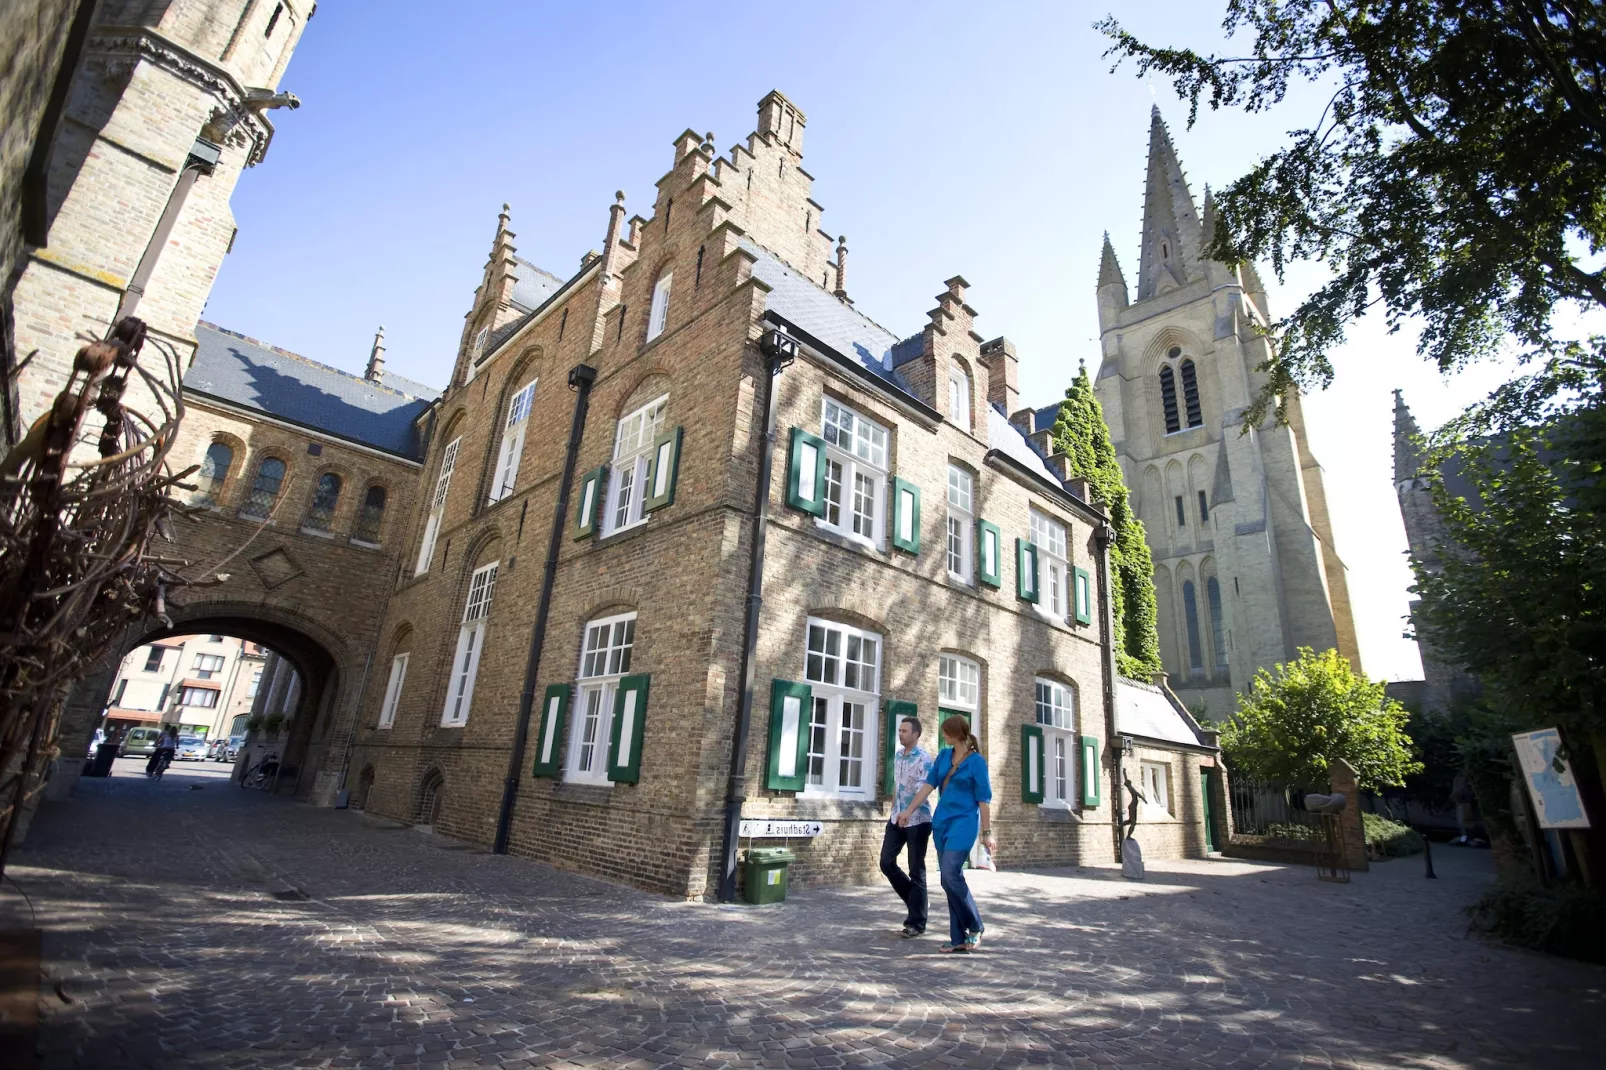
921	553
203	684
1245	566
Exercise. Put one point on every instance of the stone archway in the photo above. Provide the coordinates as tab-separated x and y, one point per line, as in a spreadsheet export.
431	796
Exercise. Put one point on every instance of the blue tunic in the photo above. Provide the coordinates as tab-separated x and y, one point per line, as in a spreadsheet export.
958	818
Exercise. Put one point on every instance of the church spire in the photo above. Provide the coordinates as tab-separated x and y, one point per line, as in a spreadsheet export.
1109	266
1407	451
1172	247
1112	294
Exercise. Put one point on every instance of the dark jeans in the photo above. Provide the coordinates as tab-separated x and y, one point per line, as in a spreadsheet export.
963	916
911	888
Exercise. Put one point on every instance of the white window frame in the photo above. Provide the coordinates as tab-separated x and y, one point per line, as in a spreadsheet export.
437	505
1054	705
393	690
206	665
1053	566
958	395
960	542
959	685
470	647
1156	786
606	644
839	682
855	505
511	451
658	311
632	455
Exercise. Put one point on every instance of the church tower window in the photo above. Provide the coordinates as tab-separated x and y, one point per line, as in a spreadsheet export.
1168	399
1190	609
1217	631
1190	393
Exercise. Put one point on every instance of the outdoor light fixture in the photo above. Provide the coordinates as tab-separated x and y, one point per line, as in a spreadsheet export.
1126	745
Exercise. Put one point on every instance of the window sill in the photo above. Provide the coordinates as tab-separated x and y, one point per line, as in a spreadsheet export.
384	727
959	581
1059	813
454	724
846	541
621	534
835	807
363	544
317	534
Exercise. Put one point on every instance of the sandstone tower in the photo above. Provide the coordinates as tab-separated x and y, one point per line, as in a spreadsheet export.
169	105
1245	566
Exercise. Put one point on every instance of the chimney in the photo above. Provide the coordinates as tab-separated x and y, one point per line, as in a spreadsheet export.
376	358
1003	373
842	269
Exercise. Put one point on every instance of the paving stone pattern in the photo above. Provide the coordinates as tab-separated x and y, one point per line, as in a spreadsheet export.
177	931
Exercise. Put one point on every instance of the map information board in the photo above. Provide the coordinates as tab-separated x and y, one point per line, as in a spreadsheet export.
1550	780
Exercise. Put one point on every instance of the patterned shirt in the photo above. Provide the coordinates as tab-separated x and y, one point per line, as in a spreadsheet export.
909	771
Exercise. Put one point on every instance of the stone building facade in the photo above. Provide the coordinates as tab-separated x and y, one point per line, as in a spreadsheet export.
1246	569
169	105
924	553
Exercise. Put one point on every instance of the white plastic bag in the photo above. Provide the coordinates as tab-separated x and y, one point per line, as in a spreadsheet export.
983	859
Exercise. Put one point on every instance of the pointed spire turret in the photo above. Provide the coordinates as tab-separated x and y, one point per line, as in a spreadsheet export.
1208	231
1407	451
376	358
1109	266
1172	248
1112	295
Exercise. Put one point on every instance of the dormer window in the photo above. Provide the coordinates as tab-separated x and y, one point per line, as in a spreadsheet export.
478	349
658	315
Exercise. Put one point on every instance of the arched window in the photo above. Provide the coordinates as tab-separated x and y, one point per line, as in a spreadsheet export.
264	489
958	396
322	510
371	517
1168	399
658	313
214	472
1190	394
1217	631
1190	608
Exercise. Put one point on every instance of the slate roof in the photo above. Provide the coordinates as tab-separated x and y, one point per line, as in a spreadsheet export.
854	335
1043	419
243	371
533	287
1144	710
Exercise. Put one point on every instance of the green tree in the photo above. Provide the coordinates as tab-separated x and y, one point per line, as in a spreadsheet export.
1297	719
1458	171
1080	432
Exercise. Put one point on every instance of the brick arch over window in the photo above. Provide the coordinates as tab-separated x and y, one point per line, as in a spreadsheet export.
852	610
611	600
652	384
219	474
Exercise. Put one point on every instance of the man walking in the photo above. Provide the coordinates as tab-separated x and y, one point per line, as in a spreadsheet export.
910	767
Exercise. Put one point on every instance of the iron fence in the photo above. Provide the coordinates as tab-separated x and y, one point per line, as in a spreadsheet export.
1272	815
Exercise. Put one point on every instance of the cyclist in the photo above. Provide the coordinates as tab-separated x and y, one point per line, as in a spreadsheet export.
162	756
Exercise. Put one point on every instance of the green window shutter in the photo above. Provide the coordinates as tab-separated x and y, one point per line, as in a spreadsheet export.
805	473
989	554
905	516
549	741
789	735
1082	595
1031	763
896	712
588	505
662	469
1091	778
1026	570
629	724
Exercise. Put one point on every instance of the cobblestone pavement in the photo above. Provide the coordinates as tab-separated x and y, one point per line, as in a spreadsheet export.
177	935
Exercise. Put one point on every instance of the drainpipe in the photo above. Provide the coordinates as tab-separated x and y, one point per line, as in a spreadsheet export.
202	160
581	376
779	350
1104	536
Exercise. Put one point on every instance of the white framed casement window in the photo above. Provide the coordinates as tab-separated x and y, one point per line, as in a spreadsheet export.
207	666
627	477
658	312
1156	786
470	645
843	669
962	526
604	661
437	506
476	351
958	396
1053	566
506	473
959	686
1056	716
393	691
855	475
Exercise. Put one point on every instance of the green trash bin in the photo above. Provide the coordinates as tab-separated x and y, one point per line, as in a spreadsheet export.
764	877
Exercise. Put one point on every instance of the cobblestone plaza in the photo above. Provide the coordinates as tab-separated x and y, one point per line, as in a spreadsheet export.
192	924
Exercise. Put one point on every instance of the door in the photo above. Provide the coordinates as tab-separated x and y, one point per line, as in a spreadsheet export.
1204	796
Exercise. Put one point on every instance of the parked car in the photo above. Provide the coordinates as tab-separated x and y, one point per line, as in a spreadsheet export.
218	750
235	743
140	743
191	749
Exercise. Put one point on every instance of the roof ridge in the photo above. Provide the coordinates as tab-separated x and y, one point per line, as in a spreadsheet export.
315	363
784	262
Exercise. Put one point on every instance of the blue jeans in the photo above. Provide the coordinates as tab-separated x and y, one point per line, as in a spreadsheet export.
911	888
963	916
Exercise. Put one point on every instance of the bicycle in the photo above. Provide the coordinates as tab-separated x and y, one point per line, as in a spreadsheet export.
260	775
159	763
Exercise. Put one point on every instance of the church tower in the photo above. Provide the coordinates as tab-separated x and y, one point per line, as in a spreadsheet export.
170	103
1245	569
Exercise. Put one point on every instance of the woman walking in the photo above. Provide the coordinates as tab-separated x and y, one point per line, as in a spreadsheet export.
960	775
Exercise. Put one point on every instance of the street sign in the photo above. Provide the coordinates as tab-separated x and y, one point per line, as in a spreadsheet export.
763	828
1549	779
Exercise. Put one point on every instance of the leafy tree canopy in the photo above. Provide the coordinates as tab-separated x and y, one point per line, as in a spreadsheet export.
1080	432
1297	719
1458	171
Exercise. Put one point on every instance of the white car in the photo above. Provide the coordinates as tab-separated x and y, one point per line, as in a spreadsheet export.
191	749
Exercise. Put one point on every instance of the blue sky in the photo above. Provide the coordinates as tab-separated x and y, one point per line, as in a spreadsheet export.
988	141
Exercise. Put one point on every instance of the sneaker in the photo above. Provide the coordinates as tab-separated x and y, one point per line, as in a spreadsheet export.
909	932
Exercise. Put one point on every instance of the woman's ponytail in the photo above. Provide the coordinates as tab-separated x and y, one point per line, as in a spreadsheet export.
957	726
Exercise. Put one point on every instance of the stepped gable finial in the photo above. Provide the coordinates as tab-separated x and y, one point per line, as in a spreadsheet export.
1407	450
842	268
376	358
